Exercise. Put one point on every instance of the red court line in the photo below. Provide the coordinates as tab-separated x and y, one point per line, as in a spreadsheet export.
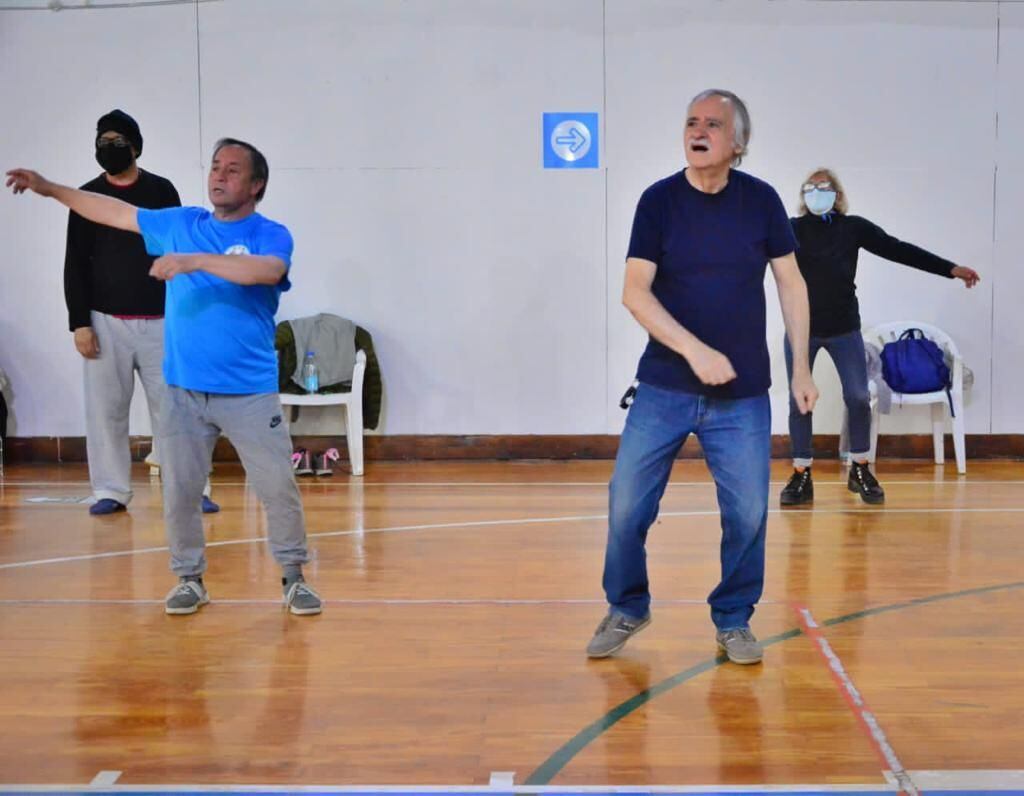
855	700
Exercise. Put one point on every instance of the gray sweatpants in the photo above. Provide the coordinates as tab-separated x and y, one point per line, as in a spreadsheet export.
190	423
126	346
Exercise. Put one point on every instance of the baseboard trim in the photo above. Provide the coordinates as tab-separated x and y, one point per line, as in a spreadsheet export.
440	447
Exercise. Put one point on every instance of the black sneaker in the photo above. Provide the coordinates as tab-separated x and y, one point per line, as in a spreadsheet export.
865	484
800	489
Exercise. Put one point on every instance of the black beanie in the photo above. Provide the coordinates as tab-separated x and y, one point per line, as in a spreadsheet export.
121	122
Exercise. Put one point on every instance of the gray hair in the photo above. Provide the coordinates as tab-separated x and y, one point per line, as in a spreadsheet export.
740	119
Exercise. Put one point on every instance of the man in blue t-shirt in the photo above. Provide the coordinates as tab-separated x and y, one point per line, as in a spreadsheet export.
701	241
225	272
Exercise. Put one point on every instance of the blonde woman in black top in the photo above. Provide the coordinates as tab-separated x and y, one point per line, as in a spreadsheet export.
830	241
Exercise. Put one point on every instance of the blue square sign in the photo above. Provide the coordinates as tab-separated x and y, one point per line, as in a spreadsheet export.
570	141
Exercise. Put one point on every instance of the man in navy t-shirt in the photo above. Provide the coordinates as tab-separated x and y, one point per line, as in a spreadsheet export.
225	272
701	242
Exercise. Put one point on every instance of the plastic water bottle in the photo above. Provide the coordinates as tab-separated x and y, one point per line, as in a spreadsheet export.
310	373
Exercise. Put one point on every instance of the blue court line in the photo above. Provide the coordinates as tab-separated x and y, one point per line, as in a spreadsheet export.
725	792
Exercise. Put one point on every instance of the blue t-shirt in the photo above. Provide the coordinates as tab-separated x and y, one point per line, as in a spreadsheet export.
218	335
711	251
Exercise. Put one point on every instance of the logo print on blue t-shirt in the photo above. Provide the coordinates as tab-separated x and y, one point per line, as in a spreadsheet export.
275	421
238	248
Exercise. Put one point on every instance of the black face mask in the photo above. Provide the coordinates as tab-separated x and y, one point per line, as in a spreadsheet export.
114	159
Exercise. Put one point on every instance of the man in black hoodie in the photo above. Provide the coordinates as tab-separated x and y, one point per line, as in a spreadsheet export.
115	310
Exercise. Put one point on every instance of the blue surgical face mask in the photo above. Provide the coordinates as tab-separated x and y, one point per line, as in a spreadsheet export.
820	202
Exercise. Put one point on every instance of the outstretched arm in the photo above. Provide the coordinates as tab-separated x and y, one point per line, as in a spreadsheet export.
877	241
103	210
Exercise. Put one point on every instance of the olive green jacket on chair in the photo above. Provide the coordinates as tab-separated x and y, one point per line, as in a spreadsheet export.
284	342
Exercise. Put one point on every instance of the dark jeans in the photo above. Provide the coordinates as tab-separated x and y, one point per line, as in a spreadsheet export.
847	352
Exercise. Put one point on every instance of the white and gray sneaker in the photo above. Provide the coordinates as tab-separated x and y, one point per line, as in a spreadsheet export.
613	633
740	645
300	598
187	597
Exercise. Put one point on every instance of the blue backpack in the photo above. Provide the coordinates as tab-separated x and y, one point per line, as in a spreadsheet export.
914	364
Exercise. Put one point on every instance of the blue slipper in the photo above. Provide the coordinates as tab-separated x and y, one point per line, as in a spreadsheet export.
209	507
106	506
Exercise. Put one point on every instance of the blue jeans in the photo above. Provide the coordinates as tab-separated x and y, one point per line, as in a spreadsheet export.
847	352
736	438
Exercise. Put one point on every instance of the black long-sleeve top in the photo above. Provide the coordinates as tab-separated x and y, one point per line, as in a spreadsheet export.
828	261
107	269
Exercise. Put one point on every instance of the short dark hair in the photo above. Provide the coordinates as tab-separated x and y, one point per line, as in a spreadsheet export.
260	169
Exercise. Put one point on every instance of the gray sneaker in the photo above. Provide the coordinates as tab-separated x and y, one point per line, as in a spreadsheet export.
300	599
187	597
740	646
613	633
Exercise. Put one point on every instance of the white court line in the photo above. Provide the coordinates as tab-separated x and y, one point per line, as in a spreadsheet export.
854	699
502	779
995	780
323	534
493	523
105	779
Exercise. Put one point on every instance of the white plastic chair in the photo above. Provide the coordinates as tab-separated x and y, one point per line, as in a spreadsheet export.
352	403
888	332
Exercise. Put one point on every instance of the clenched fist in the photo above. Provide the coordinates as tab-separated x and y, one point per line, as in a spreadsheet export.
711	366
86	342
170	265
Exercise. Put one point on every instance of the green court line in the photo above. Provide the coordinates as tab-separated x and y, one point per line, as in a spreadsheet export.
550	767
934	598
547	770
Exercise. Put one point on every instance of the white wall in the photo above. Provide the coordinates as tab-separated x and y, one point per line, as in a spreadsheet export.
405	152
59	72
1008	288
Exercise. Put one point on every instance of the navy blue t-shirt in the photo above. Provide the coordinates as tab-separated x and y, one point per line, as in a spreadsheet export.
711	251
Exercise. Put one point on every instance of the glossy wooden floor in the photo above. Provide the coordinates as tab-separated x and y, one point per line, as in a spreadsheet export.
459	600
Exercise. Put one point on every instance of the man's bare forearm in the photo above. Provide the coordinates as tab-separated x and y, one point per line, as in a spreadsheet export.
243	269
105	210
659	323
796	313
